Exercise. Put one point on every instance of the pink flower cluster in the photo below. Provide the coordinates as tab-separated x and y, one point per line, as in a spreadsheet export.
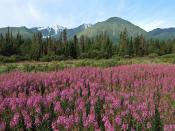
118	98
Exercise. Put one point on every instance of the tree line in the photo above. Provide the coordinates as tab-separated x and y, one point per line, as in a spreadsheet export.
47	49
139	46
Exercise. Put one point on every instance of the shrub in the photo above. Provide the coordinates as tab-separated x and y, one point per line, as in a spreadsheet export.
10	67
5	59
13	58
84	55
153	55
49	58
127	56
168	56
46	58
29	68
95	54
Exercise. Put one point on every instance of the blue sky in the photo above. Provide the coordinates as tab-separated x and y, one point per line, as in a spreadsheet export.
148	14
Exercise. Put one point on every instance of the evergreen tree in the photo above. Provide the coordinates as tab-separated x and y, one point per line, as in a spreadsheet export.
66	45
108	48
141	45
36	47
82	43
50	46
123	43
1	44
60	50
73	48
136	46
18	42
130	47
7	47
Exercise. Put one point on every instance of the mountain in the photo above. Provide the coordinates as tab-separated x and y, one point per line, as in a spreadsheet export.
77	30
26	33
56	30
163	34
113	26
50	30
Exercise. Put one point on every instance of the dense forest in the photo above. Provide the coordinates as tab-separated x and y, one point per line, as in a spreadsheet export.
39	49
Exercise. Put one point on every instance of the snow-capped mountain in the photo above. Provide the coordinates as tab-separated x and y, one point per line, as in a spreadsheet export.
49	30
113	26
87	25
56	30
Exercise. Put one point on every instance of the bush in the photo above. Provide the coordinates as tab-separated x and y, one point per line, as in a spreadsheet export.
168	56
84	55
5	59
116	57
46	58
153	55
10	67
83	63
127	56
108	63
20	58
12	59
95	54
49	58
28	68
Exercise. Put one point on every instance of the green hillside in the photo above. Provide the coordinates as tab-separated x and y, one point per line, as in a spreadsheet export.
163	34
25	32
113	27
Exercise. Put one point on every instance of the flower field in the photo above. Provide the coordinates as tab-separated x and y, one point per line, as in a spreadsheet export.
128	97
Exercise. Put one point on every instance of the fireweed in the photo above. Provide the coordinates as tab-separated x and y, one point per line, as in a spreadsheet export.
135	97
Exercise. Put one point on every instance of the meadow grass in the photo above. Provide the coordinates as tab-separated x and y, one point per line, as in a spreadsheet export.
33	66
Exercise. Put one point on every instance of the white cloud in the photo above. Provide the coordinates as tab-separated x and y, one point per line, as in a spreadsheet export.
71	13
21	12
34	13
121	6
149	25
153	23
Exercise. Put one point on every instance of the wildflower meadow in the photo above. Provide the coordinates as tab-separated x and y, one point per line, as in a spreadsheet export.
123	98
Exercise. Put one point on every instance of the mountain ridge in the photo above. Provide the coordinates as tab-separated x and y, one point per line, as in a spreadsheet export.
163	33
113	26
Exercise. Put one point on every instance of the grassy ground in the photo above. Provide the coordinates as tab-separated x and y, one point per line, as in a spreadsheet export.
58	65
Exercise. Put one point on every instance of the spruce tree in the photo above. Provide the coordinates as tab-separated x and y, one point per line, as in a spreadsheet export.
82	43
36	46
123	43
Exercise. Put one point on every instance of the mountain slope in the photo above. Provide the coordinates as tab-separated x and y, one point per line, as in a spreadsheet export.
25	32
163	34
55	31
50	30
77	30
113	26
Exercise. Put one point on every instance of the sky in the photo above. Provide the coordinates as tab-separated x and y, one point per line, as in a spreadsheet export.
148	14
